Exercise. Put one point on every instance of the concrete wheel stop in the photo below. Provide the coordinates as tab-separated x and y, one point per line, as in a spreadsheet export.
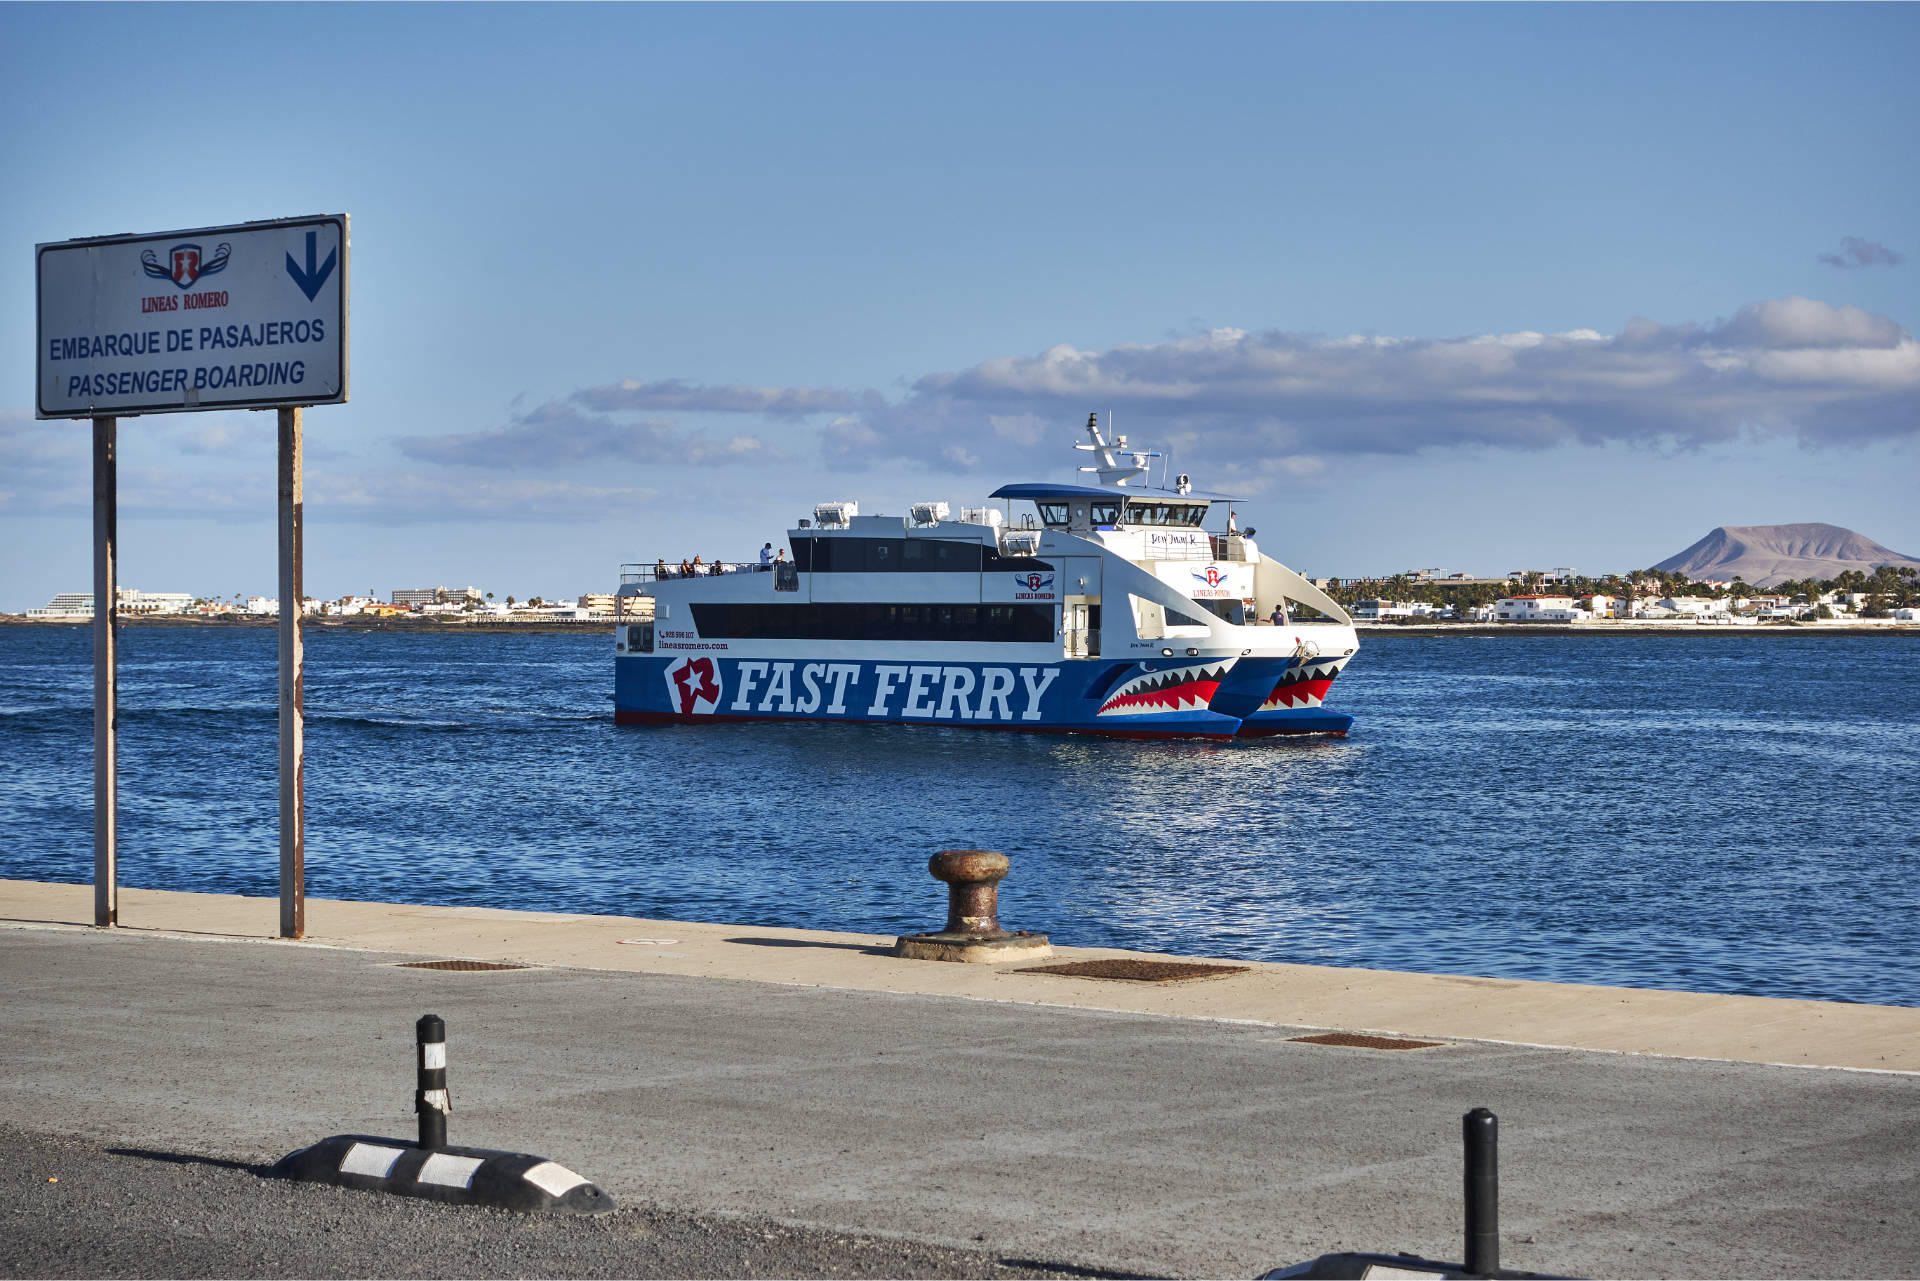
973	932
431	1169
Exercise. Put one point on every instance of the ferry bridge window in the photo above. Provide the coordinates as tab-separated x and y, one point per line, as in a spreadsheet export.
1105	511
1190	514
1053	515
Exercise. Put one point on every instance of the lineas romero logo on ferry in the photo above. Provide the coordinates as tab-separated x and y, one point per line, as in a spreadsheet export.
1033	586
694	686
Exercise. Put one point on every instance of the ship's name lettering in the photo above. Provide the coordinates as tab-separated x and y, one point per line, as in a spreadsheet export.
933	691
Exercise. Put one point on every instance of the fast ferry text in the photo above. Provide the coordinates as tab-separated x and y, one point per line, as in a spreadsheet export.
935	691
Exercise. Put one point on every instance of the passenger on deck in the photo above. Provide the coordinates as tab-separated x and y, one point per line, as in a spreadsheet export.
766	558
780	557
686	568
660	569
1279	616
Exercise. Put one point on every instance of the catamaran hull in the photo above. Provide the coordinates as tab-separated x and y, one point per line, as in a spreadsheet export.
1154	698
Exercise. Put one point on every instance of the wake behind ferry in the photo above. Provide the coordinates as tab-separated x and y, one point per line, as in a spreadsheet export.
1104	609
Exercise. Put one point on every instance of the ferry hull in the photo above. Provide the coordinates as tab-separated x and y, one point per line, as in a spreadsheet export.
1294	703
1155	698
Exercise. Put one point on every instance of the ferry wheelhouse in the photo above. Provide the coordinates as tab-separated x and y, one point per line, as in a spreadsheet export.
1109	608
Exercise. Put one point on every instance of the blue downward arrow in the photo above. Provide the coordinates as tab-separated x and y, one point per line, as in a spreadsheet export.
313	277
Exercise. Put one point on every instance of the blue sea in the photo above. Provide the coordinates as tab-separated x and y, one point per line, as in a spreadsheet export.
1717	813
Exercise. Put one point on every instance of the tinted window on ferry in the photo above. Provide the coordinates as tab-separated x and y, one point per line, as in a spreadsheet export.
1053	515
1105	511
886	555
995	562
1191	514
971	623
940	556
839	555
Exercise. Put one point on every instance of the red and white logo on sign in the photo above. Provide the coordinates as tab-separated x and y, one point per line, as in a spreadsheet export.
693	686
185	264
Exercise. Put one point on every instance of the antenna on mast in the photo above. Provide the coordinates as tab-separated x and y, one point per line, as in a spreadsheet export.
1117	463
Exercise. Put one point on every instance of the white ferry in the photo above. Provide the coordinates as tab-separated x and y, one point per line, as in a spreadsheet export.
1101	609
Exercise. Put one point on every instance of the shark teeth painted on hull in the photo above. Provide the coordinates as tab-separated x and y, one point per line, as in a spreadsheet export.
1175	689
1303	686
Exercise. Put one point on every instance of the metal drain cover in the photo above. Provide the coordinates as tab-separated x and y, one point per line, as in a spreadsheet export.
1137	971
1357	1041
464	967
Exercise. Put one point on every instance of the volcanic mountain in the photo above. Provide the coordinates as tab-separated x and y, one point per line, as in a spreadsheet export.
1767	554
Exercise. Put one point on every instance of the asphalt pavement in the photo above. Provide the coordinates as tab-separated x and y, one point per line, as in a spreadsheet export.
973	1131
79	1209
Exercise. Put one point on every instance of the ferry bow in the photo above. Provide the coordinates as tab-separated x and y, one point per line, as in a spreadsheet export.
1102	609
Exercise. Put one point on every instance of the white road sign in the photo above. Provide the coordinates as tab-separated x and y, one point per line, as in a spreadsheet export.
241	317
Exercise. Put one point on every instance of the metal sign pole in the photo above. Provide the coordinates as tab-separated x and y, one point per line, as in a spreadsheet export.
106	539
293	796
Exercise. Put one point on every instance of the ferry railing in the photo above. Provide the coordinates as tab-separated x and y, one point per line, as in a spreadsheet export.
633	575
1228	546
1218	547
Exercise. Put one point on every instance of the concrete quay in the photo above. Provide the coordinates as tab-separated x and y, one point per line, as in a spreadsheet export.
807	1078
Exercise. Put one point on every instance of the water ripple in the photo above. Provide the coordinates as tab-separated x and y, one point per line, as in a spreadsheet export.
1719	814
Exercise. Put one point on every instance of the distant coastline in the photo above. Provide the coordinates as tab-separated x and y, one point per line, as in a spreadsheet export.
1634	627
321	622
443	623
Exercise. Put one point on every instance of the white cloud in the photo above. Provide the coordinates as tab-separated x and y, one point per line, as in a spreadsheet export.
1799	366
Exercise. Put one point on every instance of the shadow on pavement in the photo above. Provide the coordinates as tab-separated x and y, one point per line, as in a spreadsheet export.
185	1158
867	948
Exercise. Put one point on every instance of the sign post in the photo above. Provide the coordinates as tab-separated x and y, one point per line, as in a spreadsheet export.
293	714
245	316
106	583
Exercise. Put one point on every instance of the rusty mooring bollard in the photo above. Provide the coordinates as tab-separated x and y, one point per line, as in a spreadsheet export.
973	930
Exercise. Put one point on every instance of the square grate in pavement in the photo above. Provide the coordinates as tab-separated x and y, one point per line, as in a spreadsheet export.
1133	971
1358	1041
462	967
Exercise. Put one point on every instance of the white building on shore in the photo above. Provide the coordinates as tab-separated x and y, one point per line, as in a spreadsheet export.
1538	609
79	605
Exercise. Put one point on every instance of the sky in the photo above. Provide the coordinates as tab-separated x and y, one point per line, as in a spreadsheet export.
1473	287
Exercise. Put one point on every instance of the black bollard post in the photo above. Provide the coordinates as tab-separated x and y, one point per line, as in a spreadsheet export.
1481	1130
430	1098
